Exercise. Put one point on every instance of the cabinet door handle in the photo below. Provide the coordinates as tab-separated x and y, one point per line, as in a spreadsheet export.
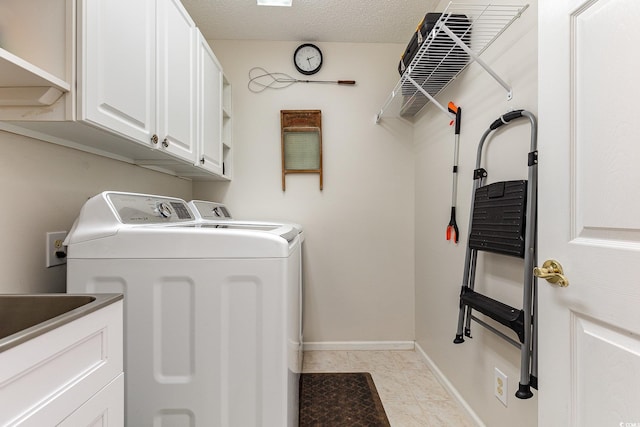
154	139
165	143
202	160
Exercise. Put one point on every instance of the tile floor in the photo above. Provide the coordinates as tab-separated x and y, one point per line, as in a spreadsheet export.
410	393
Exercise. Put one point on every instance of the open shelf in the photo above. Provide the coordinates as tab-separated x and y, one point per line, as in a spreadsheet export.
227	125
24	83
36	51
16	72
457	39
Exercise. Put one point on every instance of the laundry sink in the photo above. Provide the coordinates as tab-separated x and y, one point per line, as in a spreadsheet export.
23	317
61	360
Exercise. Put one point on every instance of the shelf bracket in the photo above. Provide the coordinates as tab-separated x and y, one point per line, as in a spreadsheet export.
429	97
477	59
384	107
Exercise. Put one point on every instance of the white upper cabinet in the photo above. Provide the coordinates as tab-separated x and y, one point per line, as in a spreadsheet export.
130	80
209	108
176	80
139	72
117	52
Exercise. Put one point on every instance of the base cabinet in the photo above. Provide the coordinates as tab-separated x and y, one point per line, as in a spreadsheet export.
70	376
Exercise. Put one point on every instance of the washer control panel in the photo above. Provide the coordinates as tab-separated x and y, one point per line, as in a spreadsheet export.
210	210
145	209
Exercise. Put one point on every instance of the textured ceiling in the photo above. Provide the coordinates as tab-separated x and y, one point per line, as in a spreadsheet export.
360	21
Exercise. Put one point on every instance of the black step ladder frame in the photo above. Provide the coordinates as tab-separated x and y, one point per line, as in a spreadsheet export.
526	324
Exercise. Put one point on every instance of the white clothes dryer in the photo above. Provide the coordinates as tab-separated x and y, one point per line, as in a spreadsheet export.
212	328
217	214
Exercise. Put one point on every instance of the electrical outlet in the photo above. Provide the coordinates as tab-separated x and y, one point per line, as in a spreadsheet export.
500	386
56	253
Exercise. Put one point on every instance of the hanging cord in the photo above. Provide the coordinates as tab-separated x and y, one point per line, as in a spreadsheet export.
260	80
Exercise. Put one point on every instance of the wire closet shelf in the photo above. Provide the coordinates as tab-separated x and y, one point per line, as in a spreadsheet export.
461	34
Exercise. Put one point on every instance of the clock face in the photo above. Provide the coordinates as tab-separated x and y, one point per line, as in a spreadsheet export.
308	59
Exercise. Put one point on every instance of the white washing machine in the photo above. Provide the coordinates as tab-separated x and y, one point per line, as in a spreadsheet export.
212	327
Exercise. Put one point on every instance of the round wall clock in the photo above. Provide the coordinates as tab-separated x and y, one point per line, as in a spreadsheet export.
307	58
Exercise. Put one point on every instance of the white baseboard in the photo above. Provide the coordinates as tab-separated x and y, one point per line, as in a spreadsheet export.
359	345
449	387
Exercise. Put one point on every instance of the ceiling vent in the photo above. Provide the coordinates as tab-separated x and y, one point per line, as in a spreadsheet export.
274	2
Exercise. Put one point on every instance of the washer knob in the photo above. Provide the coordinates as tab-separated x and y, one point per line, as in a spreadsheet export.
164	209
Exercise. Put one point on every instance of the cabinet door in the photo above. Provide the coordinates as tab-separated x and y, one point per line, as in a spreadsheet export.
117	59
176	80
209	108
105	408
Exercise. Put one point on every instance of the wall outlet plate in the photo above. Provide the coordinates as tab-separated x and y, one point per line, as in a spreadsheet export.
500	386
56	253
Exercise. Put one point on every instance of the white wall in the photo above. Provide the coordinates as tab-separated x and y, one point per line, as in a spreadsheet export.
359	270
439	264
43	187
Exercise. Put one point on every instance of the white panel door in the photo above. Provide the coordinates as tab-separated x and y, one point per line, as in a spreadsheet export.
117	89
589	212
209	108
176	80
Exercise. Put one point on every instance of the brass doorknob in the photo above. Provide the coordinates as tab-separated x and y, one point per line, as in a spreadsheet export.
552	272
